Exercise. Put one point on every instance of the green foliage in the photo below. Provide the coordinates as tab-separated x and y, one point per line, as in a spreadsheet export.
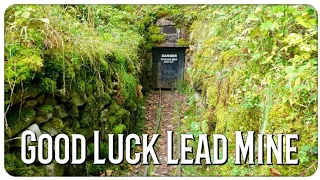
15	167
256	67
195	129
119	129
45	109
72	56
182	42
47	85
21	65
17	122
154	29
129	84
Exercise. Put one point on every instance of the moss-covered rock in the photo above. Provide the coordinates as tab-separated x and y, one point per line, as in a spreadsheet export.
17	140
15	167
17	123
31	92
104	115
62	95
60	111
50	100
103	100
44	114
68	84
31	103
53	127
79	99
40	99
48	85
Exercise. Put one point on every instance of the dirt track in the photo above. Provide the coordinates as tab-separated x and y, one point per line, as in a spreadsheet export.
171	103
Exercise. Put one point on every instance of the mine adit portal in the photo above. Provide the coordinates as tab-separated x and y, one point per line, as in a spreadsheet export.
168	66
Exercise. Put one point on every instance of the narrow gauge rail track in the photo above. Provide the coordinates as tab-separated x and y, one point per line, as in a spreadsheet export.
159	120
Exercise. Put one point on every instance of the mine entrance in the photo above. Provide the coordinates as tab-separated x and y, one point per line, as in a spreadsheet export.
168	66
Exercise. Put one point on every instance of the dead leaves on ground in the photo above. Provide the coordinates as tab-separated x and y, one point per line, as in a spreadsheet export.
274	172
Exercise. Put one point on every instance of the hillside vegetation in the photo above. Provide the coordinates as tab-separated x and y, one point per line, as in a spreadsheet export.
256	70
79	68
76	69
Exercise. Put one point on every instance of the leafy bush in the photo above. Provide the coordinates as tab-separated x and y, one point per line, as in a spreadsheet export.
257	69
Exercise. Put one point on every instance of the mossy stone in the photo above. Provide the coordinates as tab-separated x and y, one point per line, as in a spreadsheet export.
104	115
27	116
31	103
15	167
52	127
44	118
79	100
47	85
44	114
62	95
29	92
40	99
104	100
59	111
17	142
50	101
45	109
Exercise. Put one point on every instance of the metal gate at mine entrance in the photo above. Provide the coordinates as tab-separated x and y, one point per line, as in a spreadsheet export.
168	66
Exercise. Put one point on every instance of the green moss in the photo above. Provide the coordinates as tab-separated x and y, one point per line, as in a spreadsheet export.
80	84
104	100
23	66
76	125
78	99
93	169
154	29
50	100
148	46
104	149
45	109
89	89
91	103
114	107
53	67
57	123
128	85
16	123
76	170
182	42
90	149
60	111
119	129
131	105
157	38
15	167
212	95
48	85
31	91
111	120
74	112
40	99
